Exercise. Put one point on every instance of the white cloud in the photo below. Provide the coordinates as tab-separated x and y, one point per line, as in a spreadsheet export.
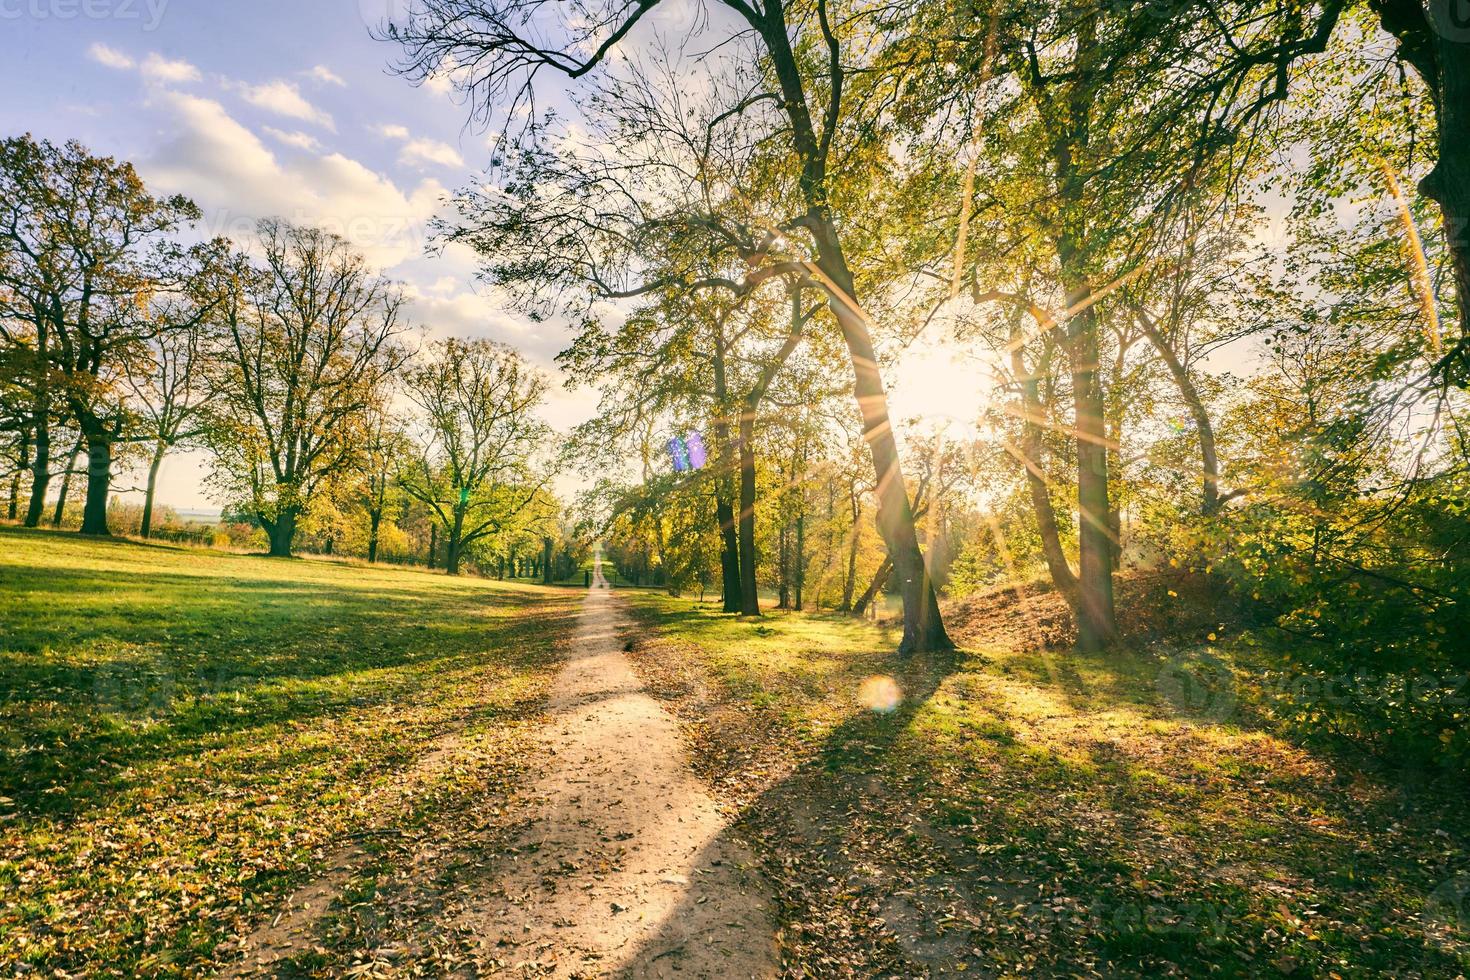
157	68
423	151
298	139
236	179
325	75
419	152
110	57
285	99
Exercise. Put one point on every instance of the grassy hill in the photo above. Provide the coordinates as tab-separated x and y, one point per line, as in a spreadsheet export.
187	734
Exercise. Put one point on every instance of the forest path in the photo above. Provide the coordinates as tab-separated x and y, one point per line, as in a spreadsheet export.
624	867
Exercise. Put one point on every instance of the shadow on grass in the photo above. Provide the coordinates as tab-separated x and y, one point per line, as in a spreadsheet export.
104	671
1056	814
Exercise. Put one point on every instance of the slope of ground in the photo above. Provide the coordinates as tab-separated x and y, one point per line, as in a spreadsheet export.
1010	811
189	737
1163	606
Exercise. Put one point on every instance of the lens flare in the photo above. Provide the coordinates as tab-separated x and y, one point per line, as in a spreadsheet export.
880	693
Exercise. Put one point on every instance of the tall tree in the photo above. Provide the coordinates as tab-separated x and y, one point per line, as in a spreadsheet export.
797	105
479	440
308	340
384	449
84	251
170	381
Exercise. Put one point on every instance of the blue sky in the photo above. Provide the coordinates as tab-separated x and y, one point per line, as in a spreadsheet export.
267	108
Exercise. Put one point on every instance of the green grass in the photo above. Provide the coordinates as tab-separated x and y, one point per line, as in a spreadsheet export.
1048	812
185	735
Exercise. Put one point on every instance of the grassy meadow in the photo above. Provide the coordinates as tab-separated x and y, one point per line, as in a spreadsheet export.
187	735
1051	813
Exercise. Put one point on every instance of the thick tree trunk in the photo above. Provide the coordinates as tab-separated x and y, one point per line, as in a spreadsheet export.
40	472
375	520
282	532
433	542
451	555
1096	619
99	480
749	597
146	528
1435	39
729	553
923	626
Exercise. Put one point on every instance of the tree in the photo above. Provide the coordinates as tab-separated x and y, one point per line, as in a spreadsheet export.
308	341
805	61
170	385
479	440
85	251
384	449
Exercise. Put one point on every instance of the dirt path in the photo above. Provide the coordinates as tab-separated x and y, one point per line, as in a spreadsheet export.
625	867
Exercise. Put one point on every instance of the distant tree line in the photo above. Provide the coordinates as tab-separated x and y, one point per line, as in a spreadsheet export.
287	358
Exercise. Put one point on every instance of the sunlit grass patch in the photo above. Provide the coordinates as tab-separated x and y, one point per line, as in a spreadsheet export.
187	733
1107	813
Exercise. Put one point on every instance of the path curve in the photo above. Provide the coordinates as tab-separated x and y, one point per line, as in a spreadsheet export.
625	866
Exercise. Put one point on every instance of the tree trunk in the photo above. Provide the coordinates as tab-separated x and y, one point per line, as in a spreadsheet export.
729	553
923	626
451	555
725	511
880	579
1209	461
1435	39
22	463
40	470
375	518
282	532
1096	619
749	597
783	587
546	554
849	582
65	491
99	479
1031	452
433	541
146	528
800	570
